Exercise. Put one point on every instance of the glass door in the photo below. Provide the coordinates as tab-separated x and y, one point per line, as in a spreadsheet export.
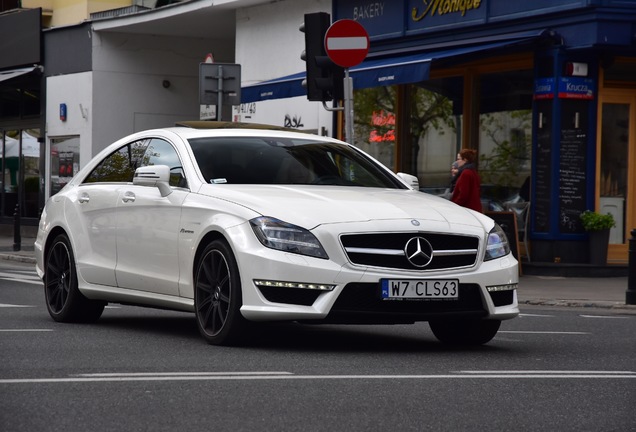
616	187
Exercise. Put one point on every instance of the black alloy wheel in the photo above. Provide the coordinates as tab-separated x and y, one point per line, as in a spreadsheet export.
217	296
64	301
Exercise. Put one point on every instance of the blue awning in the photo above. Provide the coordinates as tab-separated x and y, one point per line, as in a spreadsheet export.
401	69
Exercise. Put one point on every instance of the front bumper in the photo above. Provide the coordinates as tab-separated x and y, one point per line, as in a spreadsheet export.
355	297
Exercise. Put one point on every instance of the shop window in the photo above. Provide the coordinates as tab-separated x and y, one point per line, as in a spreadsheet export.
21	172
64	161
614	166
435	120
374	123
505	133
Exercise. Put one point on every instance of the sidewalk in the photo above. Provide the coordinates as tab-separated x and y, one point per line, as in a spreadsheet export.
584	292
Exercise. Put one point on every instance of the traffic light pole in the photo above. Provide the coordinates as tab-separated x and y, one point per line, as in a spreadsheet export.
348	107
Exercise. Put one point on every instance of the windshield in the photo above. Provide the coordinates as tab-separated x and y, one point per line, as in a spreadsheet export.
249	160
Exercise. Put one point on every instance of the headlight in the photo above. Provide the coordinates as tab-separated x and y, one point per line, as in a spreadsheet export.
276	234
497	244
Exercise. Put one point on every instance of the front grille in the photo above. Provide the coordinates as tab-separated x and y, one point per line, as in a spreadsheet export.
387	250
362	302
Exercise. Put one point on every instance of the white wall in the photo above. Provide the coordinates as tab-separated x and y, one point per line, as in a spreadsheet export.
74	90
268	45
129	71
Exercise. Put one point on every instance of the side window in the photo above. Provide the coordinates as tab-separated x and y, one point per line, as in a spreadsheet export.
160	152
120	165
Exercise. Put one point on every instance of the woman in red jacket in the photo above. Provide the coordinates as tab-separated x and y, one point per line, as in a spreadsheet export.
467	188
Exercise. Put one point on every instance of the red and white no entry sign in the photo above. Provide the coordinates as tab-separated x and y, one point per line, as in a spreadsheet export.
347	43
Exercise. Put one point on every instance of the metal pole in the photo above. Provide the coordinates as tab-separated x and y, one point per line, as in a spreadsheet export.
219	96
630	294
17	239
348	106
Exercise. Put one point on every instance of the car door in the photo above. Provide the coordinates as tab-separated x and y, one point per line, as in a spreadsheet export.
148	227
93	215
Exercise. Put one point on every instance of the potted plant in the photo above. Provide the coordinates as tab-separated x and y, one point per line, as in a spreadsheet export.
598	225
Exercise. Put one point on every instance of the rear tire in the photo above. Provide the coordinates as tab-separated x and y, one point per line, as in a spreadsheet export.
64	301
217	296
465	332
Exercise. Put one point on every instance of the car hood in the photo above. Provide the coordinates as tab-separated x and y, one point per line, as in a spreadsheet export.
311	206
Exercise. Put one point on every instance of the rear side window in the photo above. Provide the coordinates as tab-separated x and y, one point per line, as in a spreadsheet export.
119	166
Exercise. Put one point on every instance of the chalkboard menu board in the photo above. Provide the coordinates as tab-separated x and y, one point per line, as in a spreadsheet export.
572	180
543	176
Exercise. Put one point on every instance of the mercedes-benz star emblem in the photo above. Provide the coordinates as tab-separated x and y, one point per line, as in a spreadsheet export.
418	251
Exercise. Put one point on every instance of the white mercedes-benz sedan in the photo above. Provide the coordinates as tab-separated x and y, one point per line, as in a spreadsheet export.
242	225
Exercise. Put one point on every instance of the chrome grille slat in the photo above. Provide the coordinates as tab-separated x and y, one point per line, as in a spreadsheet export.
375	251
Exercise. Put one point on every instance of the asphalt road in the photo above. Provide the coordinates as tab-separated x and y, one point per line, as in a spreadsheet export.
567	369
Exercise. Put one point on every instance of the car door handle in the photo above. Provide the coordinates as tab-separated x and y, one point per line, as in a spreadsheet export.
128	197
83	198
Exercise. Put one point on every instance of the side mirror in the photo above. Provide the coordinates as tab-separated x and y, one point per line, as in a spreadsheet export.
154	175
410	180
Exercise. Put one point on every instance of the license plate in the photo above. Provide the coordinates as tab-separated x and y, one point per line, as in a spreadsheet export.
424	289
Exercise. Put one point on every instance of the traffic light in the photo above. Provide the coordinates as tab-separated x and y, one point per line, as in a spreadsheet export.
324	80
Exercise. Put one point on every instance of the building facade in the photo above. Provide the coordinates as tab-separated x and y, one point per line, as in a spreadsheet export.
544	90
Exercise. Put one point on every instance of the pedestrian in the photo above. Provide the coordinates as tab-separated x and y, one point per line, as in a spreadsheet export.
454	171
467	192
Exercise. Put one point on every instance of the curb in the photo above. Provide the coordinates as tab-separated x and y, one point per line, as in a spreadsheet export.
583	304
16	257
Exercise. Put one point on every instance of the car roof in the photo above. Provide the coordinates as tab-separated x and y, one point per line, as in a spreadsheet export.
204	124
201	129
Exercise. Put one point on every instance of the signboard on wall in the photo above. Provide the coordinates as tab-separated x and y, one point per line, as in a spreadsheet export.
576	88
573	178
543	88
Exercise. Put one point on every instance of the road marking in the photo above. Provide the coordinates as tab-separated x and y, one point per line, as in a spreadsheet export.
146	374
543	332
26	330
22	274
245	376
604	316
23	281
15	306
30	278
547	372
535	315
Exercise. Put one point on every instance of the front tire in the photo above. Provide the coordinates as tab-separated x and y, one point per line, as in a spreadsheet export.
465	332
64	301
217	296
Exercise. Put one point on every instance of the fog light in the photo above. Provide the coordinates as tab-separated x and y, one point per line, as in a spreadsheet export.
507	287
301	285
